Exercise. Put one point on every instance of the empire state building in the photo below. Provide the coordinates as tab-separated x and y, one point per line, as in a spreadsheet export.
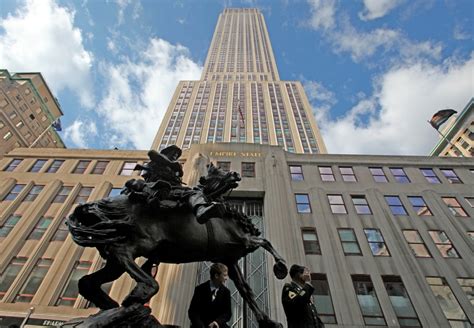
240	97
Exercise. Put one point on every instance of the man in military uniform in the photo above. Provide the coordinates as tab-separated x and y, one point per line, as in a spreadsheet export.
297	301
163	180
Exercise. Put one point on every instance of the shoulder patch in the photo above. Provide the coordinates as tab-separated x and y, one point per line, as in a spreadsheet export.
291	295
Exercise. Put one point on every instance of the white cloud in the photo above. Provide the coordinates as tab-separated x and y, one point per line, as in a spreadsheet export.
122	6
138	93
40	37
460	33
79	132
322	13
394	119
344	37
377	8
318	95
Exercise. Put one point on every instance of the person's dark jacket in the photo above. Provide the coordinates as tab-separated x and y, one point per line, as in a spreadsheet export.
203	310
300	312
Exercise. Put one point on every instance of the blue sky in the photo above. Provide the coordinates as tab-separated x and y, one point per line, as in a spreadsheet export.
374	70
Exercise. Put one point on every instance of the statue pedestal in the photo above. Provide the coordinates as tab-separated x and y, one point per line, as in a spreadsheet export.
135	315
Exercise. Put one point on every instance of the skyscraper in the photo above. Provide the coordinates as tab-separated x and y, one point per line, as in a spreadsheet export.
240	97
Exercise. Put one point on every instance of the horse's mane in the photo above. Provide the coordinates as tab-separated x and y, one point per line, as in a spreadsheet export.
243	221
113	226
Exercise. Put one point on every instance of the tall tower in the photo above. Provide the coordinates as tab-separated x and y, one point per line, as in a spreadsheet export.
240	97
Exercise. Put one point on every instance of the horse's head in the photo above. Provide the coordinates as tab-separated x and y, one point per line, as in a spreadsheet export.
218	181
100	222
84	215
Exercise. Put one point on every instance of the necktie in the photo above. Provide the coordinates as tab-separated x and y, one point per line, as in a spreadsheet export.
214	293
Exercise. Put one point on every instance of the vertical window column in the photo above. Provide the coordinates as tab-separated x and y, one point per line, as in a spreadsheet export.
368	302
401	302
322	298
448	302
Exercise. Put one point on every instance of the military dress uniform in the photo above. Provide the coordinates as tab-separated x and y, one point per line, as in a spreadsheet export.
299	308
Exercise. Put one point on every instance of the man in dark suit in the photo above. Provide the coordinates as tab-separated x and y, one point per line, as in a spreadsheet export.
297	302
210	306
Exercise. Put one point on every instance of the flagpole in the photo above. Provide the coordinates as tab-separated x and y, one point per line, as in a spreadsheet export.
447	140
41	135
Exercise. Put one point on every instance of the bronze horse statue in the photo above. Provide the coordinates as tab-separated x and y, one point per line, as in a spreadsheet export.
123	229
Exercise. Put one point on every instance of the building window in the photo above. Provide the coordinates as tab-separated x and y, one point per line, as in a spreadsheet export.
401	302
378	174
336	202
114	192
368	302
350	246
430	176
296	172
443	243
7	135
62	194
128	168
470	201
416	243
248	169
454	206
62	231
83	195
361	205
34	192
448	302
30	287
100	167
55	166
38	165
81	167
326	173
399	175
395	205
471	235
13	165
419	206
322	298
40	228
348	174
225	166
302	203
11	272
70	292
14	192
311	241
450	175
9	225
376	242
467	284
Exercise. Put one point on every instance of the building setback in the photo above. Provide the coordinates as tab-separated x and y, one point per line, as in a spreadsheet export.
240	97
27	111
389	239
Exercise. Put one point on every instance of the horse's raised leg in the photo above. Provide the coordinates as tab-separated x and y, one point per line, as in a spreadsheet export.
146	284
89	285
279	268
147	267
247	294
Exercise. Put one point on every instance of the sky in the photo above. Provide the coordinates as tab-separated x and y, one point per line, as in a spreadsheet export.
374	70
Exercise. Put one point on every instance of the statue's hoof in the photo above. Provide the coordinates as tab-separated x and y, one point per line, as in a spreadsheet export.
280	270
267	323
